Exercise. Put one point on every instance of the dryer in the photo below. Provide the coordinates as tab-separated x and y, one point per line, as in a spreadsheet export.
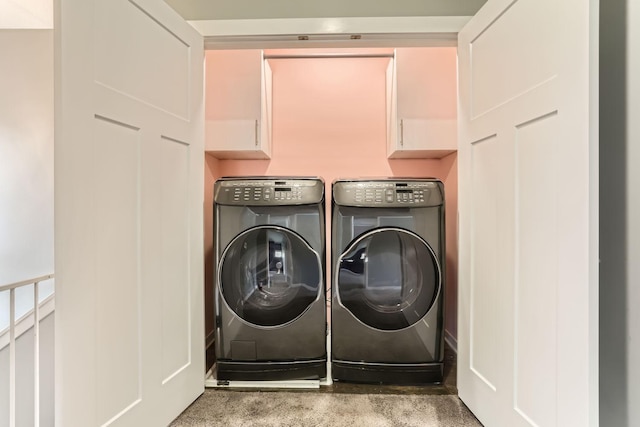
388	260
270	306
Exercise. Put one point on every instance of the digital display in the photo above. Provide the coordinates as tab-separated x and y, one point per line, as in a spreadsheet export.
280	182
404	191
282	189
401	184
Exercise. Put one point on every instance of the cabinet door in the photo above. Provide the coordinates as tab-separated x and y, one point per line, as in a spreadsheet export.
424	90
129	157
238	104
528	280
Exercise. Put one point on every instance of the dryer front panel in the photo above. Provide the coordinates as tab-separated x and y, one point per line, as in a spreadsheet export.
388	278
269	276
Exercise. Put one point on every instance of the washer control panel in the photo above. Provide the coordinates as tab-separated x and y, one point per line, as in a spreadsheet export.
389	193
268	191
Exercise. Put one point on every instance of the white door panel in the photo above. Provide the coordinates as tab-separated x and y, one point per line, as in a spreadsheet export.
526	339
128	205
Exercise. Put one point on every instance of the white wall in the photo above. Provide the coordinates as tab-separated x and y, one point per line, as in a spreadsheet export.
620	213
26	162
26	14
26	191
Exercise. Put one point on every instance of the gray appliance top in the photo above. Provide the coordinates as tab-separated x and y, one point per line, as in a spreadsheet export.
389	192
268	191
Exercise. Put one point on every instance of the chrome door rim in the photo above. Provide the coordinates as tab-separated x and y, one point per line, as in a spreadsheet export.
267	227
370	233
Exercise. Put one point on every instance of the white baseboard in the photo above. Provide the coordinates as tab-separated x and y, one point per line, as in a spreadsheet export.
451	340
211	382
25	323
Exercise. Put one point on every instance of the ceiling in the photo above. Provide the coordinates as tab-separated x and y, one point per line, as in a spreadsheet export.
279	9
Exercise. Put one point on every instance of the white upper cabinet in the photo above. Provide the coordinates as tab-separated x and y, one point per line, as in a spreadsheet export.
238	93
422	103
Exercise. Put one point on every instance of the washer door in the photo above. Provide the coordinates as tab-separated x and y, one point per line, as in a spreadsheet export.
388	278
269	275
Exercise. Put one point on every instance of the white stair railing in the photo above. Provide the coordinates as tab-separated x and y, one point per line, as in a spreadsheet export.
36	346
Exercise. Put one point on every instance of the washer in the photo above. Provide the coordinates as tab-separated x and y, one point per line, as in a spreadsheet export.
270	278
387	289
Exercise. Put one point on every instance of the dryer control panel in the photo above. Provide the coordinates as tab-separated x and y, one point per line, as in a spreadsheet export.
268	191
389	193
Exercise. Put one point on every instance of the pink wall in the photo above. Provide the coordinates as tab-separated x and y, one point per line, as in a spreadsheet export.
329	120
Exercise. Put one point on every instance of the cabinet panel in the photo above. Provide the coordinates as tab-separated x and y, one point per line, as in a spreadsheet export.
422	102
238	104
426	138
234	139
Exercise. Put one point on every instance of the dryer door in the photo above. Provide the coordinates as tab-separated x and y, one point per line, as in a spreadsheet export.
269	275
388	278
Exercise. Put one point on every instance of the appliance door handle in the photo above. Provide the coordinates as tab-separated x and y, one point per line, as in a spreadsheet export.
256	133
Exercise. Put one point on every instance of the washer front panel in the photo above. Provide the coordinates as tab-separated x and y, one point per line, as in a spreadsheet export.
268	191
387	193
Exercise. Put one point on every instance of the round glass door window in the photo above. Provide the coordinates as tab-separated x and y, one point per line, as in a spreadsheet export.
269	275
388	278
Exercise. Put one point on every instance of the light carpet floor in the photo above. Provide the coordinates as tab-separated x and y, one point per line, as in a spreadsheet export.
306	408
